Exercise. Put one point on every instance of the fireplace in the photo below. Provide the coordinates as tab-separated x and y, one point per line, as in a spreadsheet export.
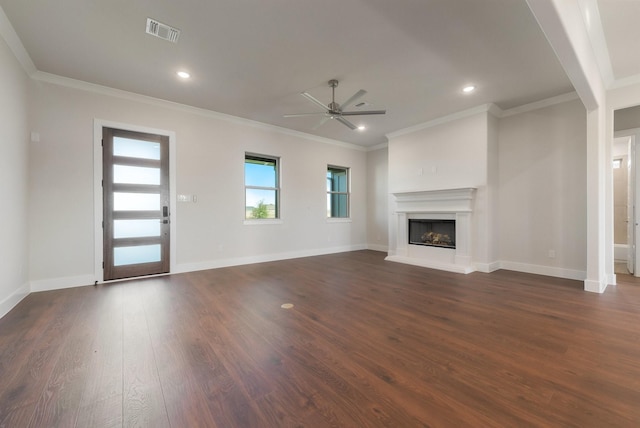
434	229
432	233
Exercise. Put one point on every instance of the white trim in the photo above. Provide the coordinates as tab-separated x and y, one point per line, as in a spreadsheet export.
377	247
131	96
595	33
487	267
339	220
237	261
445	119
378	147
262	221
559	99
625	81
431	264
12	300
8	33
595	286
98	124
62	283
577	275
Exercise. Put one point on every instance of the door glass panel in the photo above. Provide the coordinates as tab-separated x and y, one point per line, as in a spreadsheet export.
136	175
134	255
136	201
136	148
136	228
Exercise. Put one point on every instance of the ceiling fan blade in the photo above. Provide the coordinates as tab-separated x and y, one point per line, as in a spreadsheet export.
305	114
354	97
321	122
362	113
313	100
345	122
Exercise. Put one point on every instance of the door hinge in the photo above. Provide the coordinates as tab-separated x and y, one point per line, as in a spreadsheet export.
102	265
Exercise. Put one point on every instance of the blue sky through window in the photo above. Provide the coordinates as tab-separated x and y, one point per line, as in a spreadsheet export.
261	174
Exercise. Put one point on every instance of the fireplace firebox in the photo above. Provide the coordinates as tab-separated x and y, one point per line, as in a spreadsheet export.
432	233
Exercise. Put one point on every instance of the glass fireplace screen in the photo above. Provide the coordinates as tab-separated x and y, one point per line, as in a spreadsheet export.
433	233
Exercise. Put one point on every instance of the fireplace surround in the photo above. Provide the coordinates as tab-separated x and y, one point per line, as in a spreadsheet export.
448	206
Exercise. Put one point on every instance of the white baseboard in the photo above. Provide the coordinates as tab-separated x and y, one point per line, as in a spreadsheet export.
13	299
237	261
376	247
595	286
83	280
487	267
60	283
449	267
577	275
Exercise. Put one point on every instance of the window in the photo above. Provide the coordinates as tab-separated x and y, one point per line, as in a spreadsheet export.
337	192
262	191
617	163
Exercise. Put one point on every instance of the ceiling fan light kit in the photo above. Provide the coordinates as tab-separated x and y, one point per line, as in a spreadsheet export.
334	110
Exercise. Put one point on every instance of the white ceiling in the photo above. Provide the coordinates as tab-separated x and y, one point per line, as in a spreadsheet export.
621	24
252	58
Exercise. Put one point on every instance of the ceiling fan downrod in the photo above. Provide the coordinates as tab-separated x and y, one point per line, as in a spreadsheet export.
334	108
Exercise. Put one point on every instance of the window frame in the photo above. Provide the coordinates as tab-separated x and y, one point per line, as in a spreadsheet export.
347	193
276	189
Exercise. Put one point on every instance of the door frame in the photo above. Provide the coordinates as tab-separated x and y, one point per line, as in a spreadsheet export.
98	124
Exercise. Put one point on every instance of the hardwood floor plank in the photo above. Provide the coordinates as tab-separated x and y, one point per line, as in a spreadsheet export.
61	397
367	343
28	373
143	401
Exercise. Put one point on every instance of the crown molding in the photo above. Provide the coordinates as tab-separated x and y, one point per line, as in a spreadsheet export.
10	36
626	81
377	147
548	102
131	96
485	108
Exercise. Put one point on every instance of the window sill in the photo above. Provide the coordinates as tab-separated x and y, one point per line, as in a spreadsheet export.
338	220
263	221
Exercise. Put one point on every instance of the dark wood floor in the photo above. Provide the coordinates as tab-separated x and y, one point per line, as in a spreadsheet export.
368	343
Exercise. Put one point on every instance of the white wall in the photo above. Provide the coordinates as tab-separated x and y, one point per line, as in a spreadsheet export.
542	185
209	163
14	137
450	155
530	171
377	199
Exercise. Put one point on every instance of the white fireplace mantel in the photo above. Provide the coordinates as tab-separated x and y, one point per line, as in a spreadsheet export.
454	204
432	201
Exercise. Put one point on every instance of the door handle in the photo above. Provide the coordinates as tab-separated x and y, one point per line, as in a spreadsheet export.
165	211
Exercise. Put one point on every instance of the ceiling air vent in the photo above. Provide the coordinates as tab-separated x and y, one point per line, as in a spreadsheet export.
164	31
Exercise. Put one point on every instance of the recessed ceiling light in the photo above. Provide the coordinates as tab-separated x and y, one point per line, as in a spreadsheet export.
468	89
183	74
361	128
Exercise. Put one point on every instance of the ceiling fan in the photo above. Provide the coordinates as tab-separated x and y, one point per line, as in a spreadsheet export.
335	110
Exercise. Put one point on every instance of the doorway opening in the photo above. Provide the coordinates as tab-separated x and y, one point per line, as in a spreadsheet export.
626	191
